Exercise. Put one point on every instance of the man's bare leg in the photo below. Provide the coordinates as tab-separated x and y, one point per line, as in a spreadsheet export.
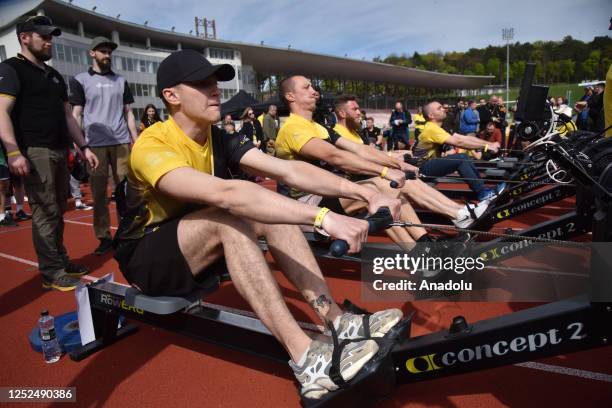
205	235
430	198
295	259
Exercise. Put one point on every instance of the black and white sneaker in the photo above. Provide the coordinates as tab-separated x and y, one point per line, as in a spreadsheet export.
469	213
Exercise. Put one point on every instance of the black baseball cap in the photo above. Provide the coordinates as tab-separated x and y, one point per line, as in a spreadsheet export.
189	66
38	24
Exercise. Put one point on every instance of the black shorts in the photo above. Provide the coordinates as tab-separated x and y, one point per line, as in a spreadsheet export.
156	265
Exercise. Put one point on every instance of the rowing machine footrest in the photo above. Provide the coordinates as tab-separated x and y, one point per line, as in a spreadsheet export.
164	305
491	173
376	379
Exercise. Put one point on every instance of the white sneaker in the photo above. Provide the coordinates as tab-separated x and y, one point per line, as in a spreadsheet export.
313	374
350	326
80	206
465	218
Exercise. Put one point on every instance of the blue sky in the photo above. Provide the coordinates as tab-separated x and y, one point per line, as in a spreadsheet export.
376	28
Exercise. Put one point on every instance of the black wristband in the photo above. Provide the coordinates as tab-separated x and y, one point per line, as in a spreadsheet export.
84	147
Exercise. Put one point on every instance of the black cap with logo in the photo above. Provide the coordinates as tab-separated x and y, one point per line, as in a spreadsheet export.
189	66
38	24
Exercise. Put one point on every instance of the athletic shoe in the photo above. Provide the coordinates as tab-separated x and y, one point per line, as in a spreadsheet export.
469	213
106	245
64	283
83	207
313	374
76	270
22	216
8	221
350	326
500	188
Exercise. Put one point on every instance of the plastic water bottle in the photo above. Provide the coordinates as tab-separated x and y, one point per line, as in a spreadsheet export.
50	345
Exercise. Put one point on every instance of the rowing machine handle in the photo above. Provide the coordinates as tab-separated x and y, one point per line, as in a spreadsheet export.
380	220
410	175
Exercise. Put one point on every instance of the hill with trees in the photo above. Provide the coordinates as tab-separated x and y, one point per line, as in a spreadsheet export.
565	61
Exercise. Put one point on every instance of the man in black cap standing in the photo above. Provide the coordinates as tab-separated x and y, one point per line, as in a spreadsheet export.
185	220
37	127
101	104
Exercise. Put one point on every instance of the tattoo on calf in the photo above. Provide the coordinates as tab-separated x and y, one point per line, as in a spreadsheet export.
321	305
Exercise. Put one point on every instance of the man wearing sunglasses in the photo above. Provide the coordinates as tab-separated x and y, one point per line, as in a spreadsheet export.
37	127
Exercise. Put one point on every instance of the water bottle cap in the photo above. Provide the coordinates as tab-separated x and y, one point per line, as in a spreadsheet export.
44	313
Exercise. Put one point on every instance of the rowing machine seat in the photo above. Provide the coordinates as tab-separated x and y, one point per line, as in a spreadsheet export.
164	305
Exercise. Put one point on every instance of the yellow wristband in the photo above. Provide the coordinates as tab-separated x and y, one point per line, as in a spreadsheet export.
318	222
14	153
384	172
486	147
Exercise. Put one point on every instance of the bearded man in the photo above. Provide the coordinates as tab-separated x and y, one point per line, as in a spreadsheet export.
37	127
101	105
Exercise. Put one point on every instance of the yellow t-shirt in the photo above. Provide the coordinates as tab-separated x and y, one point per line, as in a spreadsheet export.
160	149
260	118
431	138
294	134
348	134
419	121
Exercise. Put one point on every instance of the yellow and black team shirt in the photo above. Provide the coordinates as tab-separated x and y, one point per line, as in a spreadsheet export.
431	140
292	136
348	134
164	147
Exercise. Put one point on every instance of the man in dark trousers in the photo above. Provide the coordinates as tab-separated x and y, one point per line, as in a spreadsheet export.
399	121
37	127
101	103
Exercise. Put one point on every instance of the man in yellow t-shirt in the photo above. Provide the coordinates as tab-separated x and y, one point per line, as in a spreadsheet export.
430	143
183	218
419	124
348	114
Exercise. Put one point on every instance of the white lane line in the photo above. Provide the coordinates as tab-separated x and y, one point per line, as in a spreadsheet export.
29	226
590	375
15	258
35	264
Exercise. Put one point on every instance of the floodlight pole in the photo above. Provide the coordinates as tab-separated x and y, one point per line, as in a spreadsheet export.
508	35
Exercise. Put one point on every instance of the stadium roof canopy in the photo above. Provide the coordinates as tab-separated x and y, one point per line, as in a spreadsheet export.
264	59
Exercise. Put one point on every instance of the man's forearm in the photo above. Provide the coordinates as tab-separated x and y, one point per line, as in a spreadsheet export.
470	142
131	122
376	156
76	134
240	198
309	178
353	164
7	133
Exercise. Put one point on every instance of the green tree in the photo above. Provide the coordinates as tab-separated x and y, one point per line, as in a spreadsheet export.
567	67
479	69
493	67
